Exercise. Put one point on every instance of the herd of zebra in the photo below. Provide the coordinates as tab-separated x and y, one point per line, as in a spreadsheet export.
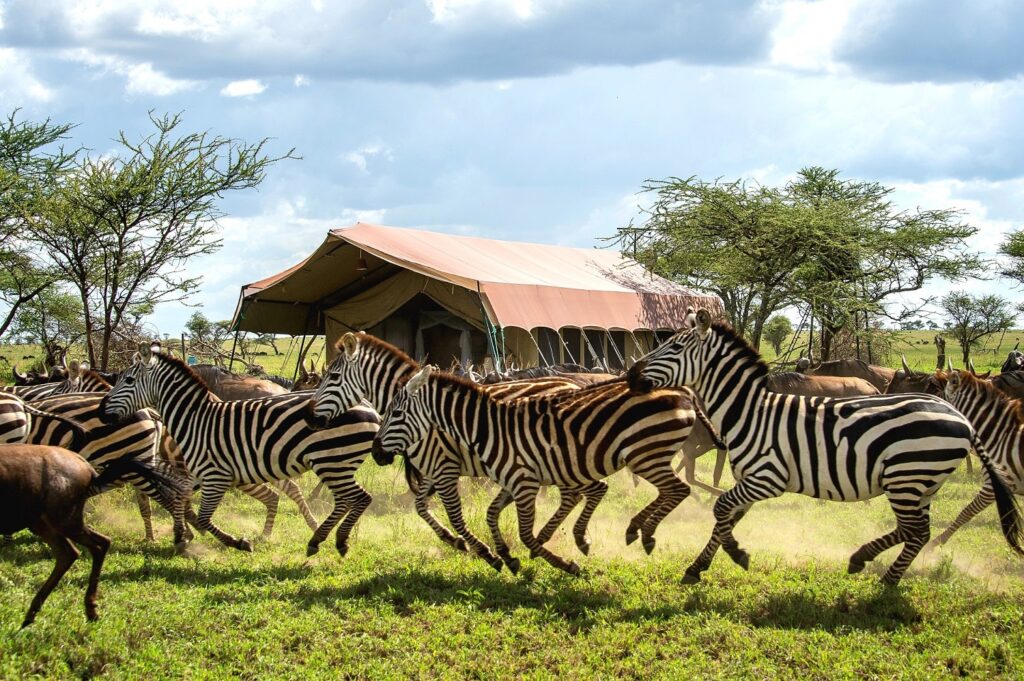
703	388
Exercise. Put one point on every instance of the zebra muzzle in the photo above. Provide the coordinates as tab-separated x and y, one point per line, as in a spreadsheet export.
381	457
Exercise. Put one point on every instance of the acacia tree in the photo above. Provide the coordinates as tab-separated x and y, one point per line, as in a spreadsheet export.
777	330
972	318
736	240
30	168
53	319
123	226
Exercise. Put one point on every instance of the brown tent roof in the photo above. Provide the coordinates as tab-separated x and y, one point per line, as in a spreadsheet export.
519	284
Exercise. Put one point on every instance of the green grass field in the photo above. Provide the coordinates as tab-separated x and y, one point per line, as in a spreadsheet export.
402	605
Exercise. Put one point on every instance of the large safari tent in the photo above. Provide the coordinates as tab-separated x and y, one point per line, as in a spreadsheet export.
444	297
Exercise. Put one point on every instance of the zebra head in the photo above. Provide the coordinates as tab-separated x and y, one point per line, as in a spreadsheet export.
406	420
135	388
343	385
676	362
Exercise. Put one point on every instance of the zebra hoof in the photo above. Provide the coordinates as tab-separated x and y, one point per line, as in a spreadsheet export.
179	548
573	569
342	549
312	550
513	565
632	534
741	558
244	545
855	567
584	547
460	545
889	580
495	563
690	578
649	544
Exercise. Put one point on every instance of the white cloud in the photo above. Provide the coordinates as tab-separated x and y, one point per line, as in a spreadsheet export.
17	83
300	81
243	88
139	78
360	157
806	34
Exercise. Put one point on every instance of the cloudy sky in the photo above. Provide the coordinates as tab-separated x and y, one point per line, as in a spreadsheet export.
535	119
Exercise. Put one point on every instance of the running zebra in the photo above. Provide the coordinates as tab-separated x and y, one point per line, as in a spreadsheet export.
841	449
572	441
369	368
136	438
999	421
15	420
248	442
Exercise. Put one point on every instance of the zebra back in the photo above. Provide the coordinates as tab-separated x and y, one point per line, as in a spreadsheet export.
15	420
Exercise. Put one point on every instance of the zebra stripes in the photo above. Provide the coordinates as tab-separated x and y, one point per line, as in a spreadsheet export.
78	381
841	449
15	420
999	421
369	368
247	442
571	441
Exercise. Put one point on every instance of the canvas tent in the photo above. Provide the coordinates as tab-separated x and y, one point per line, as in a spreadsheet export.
447	296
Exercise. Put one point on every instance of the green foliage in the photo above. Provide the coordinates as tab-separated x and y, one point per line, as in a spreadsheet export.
777	330
1013	248
30	169
123	225
838	247
400	605
971	318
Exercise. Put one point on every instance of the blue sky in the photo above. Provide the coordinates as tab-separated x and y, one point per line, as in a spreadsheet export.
531	119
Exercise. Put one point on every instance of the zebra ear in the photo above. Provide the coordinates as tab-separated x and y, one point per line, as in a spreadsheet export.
147	353
350	344
419	379
703	321
74	370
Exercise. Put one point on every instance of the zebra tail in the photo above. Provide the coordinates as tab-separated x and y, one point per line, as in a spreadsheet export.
715	437
158	473
1006	502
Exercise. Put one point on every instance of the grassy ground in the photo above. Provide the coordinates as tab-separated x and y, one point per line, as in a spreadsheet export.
402	605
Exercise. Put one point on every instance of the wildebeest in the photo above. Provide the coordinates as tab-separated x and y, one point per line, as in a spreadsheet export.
230	386
44	489
877	376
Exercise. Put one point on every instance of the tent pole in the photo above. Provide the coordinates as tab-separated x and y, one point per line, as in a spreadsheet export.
611	342
295	372
234	345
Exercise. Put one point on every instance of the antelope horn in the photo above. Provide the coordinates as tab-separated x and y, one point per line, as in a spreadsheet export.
14	370
970	366
906	367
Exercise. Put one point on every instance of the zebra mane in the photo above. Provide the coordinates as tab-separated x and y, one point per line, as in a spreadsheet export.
89	373
446	379
993	394
183	369
746	351
382	346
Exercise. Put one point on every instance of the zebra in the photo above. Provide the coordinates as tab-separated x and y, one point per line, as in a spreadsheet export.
79	380
369	368
840	449
248	442
15	419
136	438
999	421
571	440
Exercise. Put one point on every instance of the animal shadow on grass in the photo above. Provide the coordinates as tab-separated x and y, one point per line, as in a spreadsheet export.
886	608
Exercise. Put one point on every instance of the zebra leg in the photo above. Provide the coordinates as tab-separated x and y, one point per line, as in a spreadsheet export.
983	500
290	488
688	467
146	511
970	464
721	456
422	487
448	490
671	492
729	509
317	491
526	500
568	498
269	498
213	491
594	493
501	548
358	500
916	530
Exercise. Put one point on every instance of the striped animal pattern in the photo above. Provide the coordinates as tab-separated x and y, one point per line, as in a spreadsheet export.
572	441
840	449
249	442
369	368
999	421
85	382
15	421
138	437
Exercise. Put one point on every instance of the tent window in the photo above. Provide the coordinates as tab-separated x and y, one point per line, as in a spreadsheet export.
550	346
619	339
594	346
574	343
